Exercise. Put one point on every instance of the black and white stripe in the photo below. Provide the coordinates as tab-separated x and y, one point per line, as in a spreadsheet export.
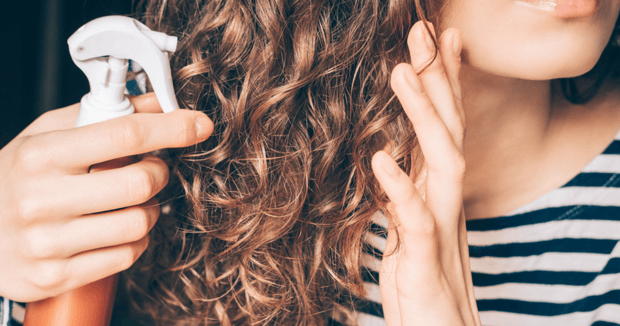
554	261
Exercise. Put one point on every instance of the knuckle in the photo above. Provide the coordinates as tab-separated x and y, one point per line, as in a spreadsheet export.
30	209
50	275
33	155
39	245
128	134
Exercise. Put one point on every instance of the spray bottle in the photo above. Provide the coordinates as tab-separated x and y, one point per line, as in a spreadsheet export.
101	49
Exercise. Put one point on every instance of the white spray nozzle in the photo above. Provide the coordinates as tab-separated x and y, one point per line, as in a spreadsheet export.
120	39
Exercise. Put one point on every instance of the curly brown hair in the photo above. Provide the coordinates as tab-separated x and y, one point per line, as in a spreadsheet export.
267	216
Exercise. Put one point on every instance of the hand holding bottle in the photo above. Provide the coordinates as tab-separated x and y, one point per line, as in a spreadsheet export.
62	227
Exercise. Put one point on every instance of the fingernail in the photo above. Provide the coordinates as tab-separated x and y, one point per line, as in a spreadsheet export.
456	44
413	81
202	127
388	165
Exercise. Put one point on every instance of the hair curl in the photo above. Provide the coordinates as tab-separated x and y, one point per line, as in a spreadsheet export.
268	215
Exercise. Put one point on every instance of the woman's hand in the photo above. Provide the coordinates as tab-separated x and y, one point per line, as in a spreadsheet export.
427	281
62	227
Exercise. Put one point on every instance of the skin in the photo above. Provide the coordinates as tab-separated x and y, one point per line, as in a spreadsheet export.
504	95
57	231
520	133
510	106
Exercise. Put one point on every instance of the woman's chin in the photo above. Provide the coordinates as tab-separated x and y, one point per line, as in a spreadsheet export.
546	68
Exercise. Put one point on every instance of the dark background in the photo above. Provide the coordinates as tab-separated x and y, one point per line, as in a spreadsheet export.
35	66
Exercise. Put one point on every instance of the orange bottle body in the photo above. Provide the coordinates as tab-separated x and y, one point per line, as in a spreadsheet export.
90	305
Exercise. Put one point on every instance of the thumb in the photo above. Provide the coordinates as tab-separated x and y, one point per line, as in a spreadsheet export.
145	103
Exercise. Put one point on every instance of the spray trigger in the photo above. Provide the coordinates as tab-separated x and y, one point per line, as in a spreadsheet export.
101	49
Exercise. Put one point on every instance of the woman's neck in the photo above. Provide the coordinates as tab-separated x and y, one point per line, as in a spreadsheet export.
505	118
524	139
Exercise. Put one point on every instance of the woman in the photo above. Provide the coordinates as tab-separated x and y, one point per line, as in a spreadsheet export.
273	217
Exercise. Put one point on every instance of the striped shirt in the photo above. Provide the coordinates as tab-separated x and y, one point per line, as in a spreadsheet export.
11	313
554	261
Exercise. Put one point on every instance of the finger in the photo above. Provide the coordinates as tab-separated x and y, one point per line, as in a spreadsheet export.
421	248
435	140
145	103
123	187
111	228
434	79
91	232
66	118
94	265
450	51
416	224
444	160
387	280
100	191
75	150
414	218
